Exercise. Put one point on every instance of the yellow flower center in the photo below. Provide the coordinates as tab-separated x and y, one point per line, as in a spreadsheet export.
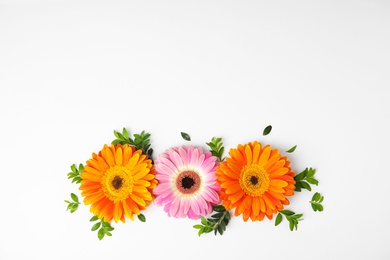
117	183
254	180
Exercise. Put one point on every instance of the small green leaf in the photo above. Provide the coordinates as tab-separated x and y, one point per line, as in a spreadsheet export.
125	133
198	226
74	207
73	168
100	233
306	185
94	218
287	212
292	149
96	226
203	220
200	232
74	197
185	136
109	228
278	219
316	197
141	217
267	130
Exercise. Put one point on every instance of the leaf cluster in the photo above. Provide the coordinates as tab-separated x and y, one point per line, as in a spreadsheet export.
291	217
140	141
316	202
304	179
217	148
75	173
74	204
217	222
103	226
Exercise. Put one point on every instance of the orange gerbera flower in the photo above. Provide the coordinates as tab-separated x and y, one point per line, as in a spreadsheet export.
118	182
255	180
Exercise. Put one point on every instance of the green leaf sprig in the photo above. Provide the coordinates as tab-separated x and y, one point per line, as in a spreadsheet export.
75	173
104	227
304	179
291	217
217	148
217	222
73	206
140	142
185	136
316	202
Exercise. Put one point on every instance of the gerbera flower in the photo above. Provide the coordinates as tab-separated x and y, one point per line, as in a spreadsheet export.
187	186
255	180
118	182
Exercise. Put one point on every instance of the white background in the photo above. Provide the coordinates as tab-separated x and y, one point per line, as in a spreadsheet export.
71	72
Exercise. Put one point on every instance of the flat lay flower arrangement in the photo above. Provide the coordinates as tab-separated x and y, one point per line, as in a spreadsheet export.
253	181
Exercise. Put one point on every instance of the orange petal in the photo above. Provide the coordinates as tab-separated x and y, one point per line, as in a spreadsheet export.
264	156
233	188
132	162
118	211
133	206
248	153
108	155
256	206
119	156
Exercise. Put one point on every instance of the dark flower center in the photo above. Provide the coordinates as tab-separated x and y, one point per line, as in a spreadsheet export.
117	182
187	182
254	180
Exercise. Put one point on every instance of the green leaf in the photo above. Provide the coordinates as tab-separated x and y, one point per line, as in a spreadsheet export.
316	197
73	168
292	149
141	217
291	225
314	206
74	207
301	175
287	212
306	185
94	218
203	220
185	136
200	232
125	133
198	226
96	226
109	228
278	219
100	233
74	197
267	130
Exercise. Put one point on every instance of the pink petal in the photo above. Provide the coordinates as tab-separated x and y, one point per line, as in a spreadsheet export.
162	188
177	160
195	207
184	156
210	195
169	164
174	207
194	157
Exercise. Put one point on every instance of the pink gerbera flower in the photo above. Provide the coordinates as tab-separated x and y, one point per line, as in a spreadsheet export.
187	182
